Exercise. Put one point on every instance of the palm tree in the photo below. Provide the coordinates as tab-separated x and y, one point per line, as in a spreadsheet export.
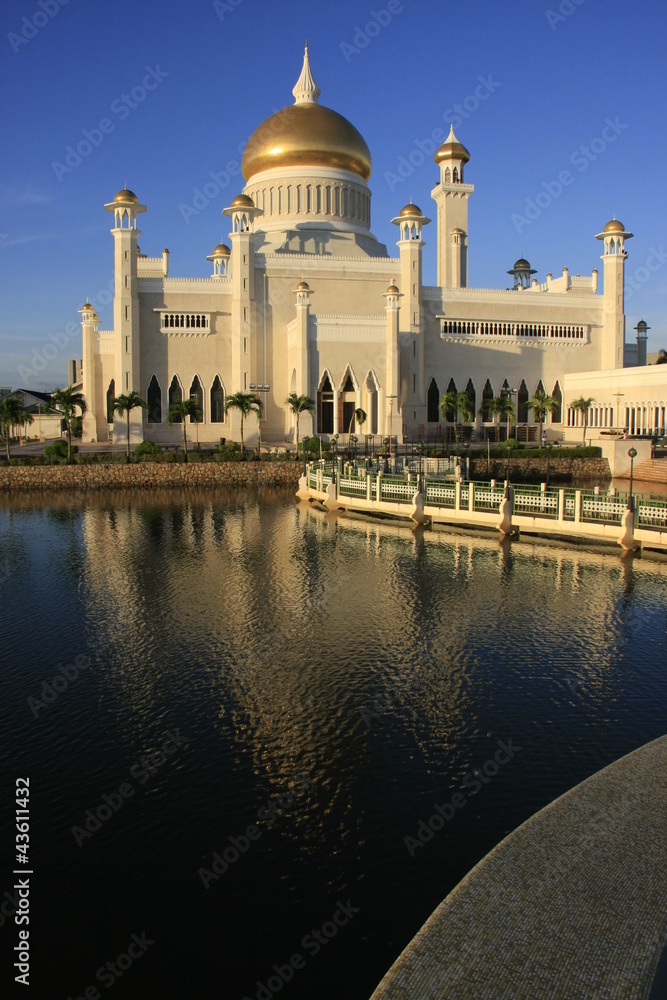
25	419
10	415
123	405
497	407
541	404
662	357
246	403
177	414
68	401
453	403
583	404
299	404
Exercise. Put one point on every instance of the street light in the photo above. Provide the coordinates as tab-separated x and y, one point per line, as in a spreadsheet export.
334	459
391	420
507	476
633	454
617	396
420	452
305	439
549	447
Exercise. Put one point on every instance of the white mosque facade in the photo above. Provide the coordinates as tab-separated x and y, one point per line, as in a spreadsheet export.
306	300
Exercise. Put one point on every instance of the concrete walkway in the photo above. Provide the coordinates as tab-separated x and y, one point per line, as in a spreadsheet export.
571	905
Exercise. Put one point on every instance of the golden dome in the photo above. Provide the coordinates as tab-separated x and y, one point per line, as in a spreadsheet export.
306	135
521	264
414	211
86	305
243	201
457	232
125	196
614	226
303	286
221	251
392	290
452	149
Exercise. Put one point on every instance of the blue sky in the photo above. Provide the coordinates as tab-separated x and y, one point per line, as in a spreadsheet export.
162	96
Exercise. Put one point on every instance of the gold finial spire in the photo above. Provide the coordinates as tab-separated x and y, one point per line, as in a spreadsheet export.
305	89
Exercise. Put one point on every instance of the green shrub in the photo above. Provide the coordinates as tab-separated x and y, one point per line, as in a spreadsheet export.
147	448
230	452
58	449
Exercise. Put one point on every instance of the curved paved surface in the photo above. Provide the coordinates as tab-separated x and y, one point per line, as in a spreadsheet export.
571	905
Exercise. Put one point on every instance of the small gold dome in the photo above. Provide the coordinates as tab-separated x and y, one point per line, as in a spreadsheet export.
521	264
221	251
306	135
457	232
303	286
125	196
414	211
452	149
392	290
243	201
614	226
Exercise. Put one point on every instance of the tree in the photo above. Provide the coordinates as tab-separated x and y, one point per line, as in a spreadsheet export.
25	419
360	416
123	405
177	414
246	403
497	407
583	404
10	413
541	404
662	357
299	404
68	401
453	403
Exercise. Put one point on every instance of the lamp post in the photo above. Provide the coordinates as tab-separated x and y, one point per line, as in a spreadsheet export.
420	452
259	388
507	475
334	459
549	447
391	421
633	454
617	396
305	439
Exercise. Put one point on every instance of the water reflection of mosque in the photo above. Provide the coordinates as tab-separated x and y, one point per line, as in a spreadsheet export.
294	623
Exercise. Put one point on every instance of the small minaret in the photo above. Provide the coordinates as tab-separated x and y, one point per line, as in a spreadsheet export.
642	337
89	333
410	221
389	417
613	236
243	213
127	375
299	359
522	273
220	257
451	196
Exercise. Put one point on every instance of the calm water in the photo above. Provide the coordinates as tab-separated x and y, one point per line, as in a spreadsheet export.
324	683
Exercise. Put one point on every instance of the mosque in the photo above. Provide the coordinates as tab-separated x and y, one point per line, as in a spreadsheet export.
305	299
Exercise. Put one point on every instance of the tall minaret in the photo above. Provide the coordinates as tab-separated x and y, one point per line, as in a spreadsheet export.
451	196
614	236
127	373
89	335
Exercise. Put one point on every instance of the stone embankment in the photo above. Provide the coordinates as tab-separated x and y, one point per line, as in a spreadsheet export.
148	475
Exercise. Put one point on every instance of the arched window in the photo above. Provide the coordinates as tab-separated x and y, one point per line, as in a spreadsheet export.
487	396
470	393
433	403
452	386
111	395
557	414
196	392
154	400
522	403
217	401
325	407
175	395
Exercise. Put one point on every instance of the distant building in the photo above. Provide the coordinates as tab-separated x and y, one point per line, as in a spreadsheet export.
303	298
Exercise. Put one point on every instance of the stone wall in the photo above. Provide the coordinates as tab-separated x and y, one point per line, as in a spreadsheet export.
148	475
